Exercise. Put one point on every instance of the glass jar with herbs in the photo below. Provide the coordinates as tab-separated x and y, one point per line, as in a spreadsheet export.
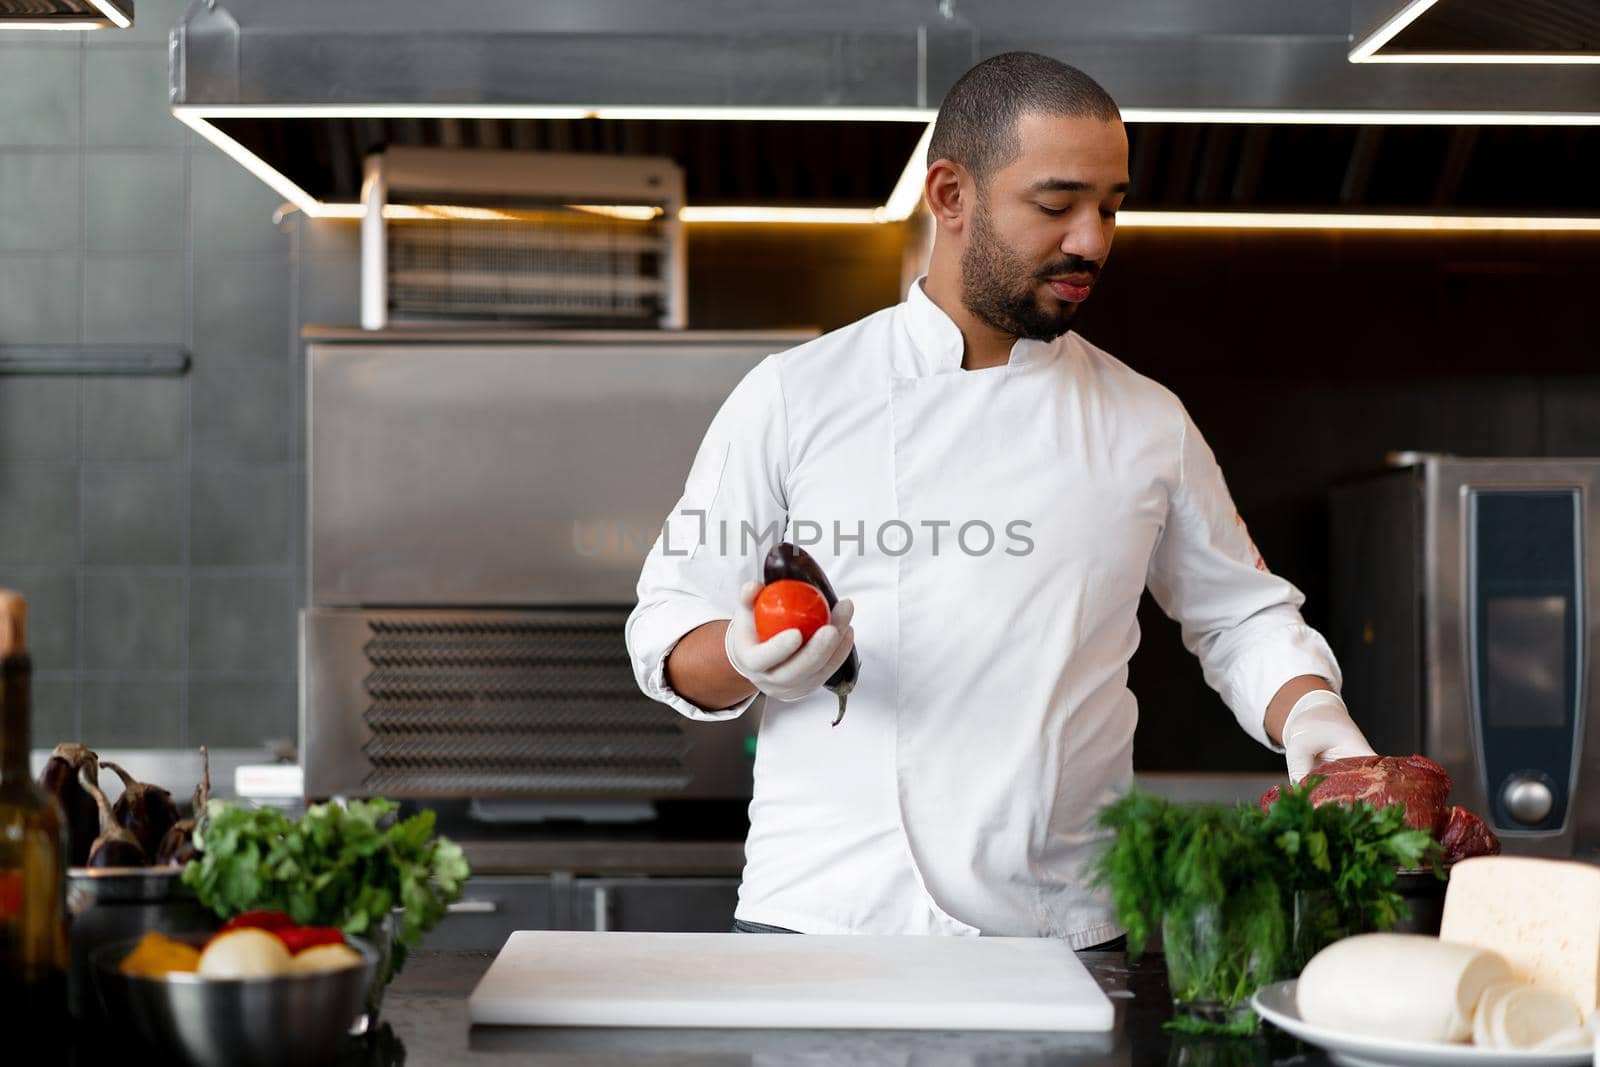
1243	897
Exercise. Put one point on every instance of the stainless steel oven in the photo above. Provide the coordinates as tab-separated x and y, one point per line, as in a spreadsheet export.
1465	615
479	505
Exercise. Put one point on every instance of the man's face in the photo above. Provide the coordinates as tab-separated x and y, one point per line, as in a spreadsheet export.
1042	225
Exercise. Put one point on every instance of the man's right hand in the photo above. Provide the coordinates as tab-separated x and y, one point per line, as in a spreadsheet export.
784	667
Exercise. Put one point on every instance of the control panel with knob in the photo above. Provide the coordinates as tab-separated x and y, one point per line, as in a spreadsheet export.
1527	799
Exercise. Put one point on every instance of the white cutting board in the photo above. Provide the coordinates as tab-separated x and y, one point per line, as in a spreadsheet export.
777	981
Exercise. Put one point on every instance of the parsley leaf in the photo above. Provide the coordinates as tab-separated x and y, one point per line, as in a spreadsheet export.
345	865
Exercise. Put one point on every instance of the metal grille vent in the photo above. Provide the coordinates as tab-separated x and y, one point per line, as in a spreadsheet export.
565	267
536	706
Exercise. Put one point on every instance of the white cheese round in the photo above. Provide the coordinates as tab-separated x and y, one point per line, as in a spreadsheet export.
1402	986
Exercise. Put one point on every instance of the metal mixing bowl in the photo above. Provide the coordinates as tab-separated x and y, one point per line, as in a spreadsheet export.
289	1021
114	904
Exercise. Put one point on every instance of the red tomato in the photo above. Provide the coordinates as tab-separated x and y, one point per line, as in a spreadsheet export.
299	938
790	604
261	920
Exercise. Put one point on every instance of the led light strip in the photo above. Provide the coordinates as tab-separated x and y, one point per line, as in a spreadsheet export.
540	111
118	17
838	216
467	213
1184	220
10	24
113	14
1387	32
1366	51
1263	220
1363	118
630	212
907	194
1563	58
275	179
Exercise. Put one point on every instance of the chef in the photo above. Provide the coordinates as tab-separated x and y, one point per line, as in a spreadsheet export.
990	494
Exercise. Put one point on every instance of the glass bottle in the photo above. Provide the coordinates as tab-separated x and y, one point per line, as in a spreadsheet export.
33	924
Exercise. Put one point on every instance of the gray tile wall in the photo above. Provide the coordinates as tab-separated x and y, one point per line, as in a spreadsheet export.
150	521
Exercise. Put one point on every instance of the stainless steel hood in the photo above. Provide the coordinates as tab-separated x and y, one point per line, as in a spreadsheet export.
831	97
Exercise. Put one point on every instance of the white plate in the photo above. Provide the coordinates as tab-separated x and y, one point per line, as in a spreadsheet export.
1276	1004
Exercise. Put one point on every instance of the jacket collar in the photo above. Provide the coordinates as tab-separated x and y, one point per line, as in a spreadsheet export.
937	344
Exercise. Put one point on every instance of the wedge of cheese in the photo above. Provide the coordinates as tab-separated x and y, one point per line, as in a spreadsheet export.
1543	916
1403	986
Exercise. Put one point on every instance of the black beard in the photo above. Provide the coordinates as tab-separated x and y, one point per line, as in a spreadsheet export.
998	288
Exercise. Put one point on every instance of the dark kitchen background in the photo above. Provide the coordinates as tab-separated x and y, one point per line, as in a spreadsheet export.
156	521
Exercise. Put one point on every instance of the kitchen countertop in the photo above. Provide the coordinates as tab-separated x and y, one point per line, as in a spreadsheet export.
425	1025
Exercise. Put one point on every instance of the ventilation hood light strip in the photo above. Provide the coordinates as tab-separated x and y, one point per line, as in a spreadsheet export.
528	111
1366	51
906	195
1364	118
12	24
1265	220
1505	58
113	16
630	212
275	179
204	112
850	216
110	10
1362	52
1184	220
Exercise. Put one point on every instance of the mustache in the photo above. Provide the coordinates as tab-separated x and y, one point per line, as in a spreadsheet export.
1071	265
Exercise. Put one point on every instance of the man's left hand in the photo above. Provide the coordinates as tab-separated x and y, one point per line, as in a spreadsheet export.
1318	729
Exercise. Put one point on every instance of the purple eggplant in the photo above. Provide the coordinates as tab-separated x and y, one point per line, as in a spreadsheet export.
791	561
60	779
115	847
146	811
177	846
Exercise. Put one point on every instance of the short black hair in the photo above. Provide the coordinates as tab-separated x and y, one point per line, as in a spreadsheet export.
977	123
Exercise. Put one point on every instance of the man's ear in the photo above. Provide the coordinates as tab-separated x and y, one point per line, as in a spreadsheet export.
948	189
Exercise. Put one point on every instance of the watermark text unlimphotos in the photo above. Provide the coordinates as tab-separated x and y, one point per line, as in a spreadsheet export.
690	529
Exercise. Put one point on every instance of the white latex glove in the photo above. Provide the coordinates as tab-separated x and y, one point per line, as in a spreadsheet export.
781	667
1318	729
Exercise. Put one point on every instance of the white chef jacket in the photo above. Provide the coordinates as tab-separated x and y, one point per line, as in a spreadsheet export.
992	718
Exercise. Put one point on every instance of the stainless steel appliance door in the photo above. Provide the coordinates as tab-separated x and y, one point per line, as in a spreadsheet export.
1506	664
482	474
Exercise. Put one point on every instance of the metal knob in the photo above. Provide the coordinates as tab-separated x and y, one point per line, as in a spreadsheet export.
1528	800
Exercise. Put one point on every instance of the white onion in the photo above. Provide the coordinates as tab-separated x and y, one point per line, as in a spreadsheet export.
245	953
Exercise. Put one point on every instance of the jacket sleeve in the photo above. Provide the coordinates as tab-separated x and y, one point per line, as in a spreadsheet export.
1242	621
733	508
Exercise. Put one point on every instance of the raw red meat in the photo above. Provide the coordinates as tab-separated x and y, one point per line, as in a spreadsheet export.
1415	781
1464	835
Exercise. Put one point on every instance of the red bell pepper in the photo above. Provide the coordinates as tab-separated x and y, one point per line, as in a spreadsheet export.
298	938
259	920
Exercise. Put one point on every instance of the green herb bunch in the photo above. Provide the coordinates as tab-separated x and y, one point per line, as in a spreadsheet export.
1232	878
1347	855
346	865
